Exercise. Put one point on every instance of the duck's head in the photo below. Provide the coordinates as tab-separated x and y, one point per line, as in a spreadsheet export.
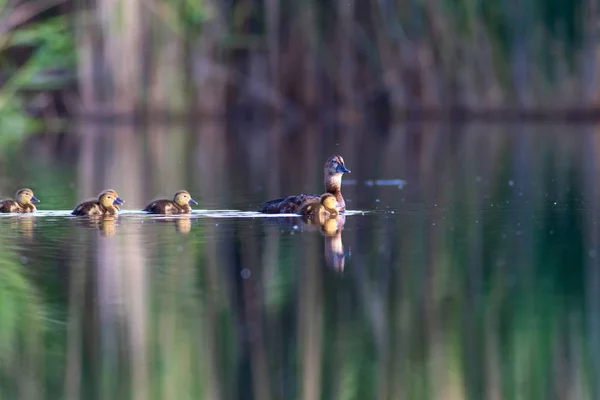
335	165
118	201
25	196
110	198
183	198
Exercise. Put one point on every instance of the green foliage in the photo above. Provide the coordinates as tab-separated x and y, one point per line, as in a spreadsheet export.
15	123
53	50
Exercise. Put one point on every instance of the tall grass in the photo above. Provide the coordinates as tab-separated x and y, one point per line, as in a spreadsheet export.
335	57
328	54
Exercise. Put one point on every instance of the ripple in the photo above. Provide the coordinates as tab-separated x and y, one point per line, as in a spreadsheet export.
194	214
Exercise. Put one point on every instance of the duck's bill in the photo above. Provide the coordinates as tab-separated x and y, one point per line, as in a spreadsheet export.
192	201
342	168
118	201
35	200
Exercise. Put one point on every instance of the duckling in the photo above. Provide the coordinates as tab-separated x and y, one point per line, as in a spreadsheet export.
22	204
179	205
333	170
319	211
107	204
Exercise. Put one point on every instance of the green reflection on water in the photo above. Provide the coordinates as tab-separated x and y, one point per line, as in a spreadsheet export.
22	327
472	288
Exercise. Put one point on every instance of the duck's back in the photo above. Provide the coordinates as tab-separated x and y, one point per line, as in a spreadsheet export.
10	206
90	208
166	207
287	205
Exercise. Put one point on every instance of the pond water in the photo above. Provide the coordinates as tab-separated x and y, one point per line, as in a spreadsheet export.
466	266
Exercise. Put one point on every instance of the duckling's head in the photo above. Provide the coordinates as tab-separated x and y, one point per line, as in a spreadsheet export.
335	165
329	202
118	201
25	196
109	199
183	198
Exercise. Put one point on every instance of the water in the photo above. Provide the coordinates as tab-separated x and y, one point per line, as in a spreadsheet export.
466	267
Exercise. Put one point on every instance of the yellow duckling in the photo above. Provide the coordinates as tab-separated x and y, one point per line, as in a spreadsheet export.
319	211
107	204
179	205
23	202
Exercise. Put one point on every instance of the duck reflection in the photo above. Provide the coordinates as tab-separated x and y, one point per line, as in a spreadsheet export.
331	228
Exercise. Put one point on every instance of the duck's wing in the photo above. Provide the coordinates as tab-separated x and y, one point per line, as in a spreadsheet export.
10	206
287	205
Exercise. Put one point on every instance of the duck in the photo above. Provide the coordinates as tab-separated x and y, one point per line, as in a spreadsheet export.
321	210
333	171
108	203
179	205
23	202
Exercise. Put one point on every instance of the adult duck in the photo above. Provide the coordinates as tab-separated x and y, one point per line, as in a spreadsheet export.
333	170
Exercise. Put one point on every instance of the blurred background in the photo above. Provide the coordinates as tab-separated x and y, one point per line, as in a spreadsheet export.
476	278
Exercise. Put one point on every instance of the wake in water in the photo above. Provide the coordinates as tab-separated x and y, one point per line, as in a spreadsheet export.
194	214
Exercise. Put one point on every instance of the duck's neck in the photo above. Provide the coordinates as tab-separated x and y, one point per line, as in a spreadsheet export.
333	185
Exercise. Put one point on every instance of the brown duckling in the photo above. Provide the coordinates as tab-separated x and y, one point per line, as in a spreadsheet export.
333	170
321	210
107	204
23	202
179	205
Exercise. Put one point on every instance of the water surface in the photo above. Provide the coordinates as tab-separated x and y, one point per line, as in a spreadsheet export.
466	267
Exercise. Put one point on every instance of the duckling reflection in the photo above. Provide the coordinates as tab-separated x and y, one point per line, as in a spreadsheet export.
105	224
23	225
26	226
108	226
331	229
23	202
334	248
183	225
